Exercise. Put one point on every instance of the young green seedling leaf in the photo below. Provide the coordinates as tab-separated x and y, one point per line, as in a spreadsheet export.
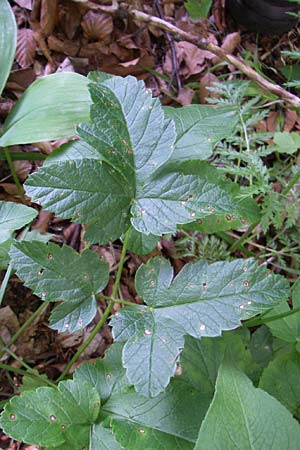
49	109
202	300
243	417
8	41
59	273
51	417
12	217
132	180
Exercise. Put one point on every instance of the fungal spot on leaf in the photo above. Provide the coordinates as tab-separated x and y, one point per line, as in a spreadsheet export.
141	431
202	327
108	377
183	202
191	286
53	419
85	276
78	214
209	139
152	283
97	405
66	325
40	272
228	217
193	214
148	332
246	283
12	417
44	295
242	306
49	256
249	302
165	340
245	269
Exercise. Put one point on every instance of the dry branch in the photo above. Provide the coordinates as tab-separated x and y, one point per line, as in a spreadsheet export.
287	97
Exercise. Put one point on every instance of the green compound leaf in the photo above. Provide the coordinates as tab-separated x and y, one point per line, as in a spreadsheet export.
12	217
49	109
243	417
103	438
132	180
199	128
281	380
141	244
53	417
59	273
8	41
202	300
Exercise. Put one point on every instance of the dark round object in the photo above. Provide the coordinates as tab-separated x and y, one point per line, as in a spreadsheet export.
264	16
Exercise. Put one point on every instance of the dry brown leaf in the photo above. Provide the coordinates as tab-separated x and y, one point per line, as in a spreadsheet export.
67	47
97	26
185	96
69	18
290	120
191	59
48	16
272	121
27	4
26	47
230	43
207	81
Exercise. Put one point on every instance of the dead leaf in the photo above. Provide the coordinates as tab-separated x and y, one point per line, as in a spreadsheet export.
69	18
185	96
27	4
289	120
191	59
97	26
272	121
26	47
48	16
230	43
207	81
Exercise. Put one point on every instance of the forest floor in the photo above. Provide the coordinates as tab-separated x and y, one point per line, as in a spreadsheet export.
66	35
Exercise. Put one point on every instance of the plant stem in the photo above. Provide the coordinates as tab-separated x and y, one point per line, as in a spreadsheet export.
244	238
117	300
24	156
256	322
25	373
106	313
9	271
292	183
13	172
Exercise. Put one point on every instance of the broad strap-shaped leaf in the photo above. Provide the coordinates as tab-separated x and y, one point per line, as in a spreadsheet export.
8	41
133	180
59	273
199	128
49	109
53	417
12	217
281	380
243	417
202	300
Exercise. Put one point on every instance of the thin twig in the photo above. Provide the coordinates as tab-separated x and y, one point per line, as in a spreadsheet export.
289	98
